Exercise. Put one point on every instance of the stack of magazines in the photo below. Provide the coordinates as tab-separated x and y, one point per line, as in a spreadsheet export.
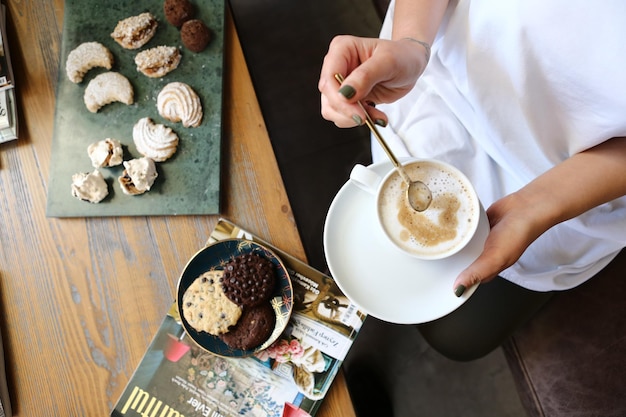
8	112
5	400
289	379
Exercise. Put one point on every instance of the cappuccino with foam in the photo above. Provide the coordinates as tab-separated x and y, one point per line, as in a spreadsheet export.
441	230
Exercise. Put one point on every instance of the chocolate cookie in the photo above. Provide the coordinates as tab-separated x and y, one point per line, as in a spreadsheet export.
206	308
195	35
254	327
177	12
249	280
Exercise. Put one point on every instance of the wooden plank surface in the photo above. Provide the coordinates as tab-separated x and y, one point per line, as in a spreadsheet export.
80	299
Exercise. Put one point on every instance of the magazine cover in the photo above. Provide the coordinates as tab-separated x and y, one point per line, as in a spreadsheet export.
8	113
290	378
6	72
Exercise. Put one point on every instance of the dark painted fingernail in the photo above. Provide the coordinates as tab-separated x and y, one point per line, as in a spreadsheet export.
458	291
357	119
380	122
347	91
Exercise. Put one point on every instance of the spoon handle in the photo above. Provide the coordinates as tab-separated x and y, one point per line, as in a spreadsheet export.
370	123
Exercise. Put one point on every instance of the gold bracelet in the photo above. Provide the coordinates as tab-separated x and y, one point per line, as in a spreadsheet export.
426	46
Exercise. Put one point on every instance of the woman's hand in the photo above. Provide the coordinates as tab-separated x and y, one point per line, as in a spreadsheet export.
580	183
375	70
512	231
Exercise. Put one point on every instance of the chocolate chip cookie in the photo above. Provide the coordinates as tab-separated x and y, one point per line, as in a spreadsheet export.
205	306
249	280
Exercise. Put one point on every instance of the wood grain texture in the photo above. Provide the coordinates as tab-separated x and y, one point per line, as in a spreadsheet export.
80	299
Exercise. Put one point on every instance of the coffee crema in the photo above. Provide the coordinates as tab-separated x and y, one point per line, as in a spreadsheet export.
441	229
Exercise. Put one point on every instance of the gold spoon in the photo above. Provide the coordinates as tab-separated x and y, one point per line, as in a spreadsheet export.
417	193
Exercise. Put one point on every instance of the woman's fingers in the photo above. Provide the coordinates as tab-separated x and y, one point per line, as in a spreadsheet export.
482	270
374	71
351	115
344	115
512	230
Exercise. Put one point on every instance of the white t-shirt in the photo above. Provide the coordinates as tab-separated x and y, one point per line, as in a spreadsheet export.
512	89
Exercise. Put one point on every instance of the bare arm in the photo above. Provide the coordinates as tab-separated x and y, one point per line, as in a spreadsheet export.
582	182
418	19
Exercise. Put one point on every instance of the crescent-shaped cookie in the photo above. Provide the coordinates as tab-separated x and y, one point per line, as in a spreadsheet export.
107	88
86	56
178	102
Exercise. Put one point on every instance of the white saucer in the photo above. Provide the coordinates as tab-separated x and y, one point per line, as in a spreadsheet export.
384	282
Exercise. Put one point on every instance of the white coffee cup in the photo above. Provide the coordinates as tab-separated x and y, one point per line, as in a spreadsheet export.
440	231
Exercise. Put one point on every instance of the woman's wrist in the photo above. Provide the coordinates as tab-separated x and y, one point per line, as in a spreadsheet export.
424	45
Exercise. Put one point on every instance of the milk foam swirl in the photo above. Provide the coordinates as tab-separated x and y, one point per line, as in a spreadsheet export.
444	227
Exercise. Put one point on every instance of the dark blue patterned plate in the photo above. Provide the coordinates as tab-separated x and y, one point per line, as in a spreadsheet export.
214	257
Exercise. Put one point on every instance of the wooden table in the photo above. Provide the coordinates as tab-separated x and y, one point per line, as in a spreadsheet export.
81	298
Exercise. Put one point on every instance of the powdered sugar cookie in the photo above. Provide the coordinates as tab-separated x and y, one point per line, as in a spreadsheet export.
107	88
86	56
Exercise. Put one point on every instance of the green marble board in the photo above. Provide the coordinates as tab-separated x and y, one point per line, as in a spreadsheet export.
189	182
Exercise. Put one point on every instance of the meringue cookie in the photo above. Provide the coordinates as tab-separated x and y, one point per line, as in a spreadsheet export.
89	186
178	102
105	153
138	176
153	140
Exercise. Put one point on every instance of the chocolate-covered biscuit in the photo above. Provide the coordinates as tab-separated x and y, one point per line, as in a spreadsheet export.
195	35
249	280
177	12
254	327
